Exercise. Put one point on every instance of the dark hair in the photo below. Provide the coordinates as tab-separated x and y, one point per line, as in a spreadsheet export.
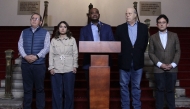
162	16
37	14
57	33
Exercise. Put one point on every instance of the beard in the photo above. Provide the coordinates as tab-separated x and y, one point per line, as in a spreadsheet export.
94	20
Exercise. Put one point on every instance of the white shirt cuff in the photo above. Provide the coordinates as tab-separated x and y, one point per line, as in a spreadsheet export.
159	64
173	64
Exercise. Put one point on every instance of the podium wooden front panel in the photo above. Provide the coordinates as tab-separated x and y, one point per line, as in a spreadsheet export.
99	79
99	71
99	47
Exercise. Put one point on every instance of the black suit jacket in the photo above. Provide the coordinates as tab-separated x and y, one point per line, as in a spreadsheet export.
131	53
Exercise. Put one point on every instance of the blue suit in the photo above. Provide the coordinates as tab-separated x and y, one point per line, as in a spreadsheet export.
105	33
86	35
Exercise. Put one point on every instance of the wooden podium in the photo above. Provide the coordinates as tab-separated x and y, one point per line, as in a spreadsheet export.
99	71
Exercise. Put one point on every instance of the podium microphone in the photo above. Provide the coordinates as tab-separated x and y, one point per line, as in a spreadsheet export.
98	25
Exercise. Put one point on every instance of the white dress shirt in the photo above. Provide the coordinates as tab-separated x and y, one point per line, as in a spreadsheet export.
163	39
95	32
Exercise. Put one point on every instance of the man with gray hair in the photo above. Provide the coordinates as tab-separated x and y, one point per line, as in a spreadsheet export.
134	38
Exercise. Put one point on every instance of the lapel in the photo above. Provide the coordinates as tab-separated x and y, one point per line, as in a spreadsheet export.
168	37
127	33
101	30
138	31
90	35
159	40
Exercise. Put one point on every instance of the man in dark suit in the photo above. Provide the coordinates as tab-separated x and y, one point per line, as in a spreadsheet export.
95	31
164	51
134	38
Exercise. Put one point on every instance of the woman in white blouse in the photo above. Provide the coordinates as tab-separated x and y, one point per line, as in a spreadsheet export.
63	64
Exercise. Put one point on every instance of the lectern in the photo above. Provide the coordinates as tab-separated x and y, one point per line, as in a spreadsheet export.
99	71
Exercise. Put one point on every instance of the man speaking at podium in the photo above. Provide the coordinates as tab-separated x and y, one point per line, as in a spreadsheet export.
94	31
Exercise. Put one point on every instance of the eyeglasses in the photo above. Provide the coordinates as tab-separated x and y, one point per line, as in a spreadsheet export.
36	19
128	14
161	22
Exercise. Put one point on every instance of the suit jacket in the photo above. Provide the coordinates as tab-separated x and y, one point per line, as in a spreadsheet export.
86	35
168	55
130	53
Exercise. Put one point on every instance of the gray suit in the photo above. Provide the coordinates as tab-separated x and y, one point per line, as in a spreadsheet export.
168	55
165	80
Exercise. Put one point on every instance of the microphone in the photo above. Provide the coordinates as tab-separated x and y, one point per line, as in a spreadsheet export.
98	25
